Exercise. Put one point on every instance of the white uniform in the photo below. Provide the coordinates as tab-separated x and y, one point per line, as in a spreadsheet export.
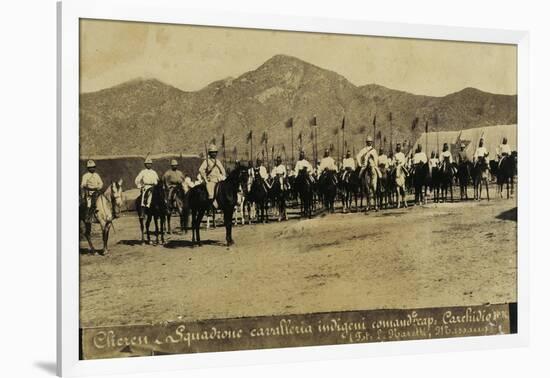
349	163
328	164
480	152
91	182
420	157
301	164
279	170
145	180
504	149
383	161
263	172
446	154
399	158
212	171
366	153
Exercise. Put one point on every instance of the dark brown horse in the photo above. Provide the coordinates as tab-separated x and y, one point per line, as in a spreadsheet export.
350	188
157	211
304	188
226	197
505	175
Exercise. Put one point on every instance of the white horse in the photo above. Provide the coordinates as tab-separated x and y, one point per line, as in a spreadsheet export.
107	208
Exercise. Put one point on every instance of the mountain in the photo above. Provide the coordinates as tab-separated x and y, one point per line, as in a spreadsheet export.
143	116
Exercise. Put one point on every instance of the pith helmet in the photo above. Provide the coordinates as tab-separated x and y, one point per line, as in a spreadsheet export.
212	148
174	162
148	160
90	164
369	139
462	145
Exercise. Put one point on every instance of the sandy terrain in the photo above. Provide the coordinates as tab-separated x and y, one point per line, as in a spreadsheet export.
429	256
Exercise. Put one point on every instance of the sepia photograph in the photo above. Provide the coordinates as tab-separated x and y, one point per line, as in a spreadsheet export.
251	189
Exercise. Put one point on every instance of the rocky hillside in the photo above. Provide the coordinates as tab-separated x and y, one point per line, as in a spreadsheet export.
144	116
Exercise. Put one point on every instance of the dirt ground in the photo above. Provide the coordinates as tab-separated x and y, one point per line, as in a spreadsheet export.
429	256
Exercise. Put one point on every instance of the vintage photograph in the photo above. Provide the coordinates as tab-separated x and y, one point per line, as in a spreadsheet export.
250	189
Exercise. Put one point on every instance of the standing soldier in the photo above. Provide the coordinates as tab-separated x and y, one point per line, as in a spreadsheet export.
348	165
171	179
279	173
91	184
503	150
212	171
145	181
433	162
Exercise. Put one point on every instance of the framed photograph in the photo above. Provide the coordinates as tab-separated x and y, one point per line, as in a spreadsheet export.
251	188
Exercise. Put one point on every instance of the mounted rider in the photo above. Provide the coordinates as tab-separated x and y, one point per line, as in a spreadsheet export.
399	158
212	171
90	185
326	165
261	171
481	152
279	173
433	162
462	155
348	165
302	163
145	181
446	158
383	160
171	179
503	151
365	154
419	157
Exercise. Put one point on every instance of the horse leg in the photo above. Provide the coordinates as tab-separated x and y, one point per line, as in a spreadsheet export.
487	188
106	230
162	227
228	216
451	187
141	227
147	224
168	227
88	235
157	231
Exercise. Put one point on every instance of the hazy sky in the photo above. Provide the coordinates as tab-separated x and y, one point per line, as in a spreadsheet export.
191	57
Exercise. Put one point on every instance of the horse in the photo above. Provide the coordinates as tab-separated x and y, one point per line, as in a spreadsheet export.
225	194
384	190
259	195
446	178
369	184
157	211
278	193
421	179
506	171
177	203
464	174
304	188
398	176
480	176
328	188
107	208
350	184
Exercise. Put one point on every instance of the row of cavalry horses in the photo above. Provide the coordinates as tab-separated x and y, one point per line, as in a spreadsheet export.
253	198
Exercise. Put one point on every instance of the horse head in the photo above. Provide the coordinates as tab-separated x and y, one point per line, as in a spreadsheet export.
116	196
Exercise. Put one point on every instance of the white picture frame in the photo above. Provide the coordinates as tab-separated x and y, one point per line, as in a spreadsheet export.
165	11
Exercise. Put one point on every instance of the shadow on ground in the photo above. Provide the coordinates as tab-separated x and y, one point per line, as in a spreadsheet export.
511	215
189	244
47	366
